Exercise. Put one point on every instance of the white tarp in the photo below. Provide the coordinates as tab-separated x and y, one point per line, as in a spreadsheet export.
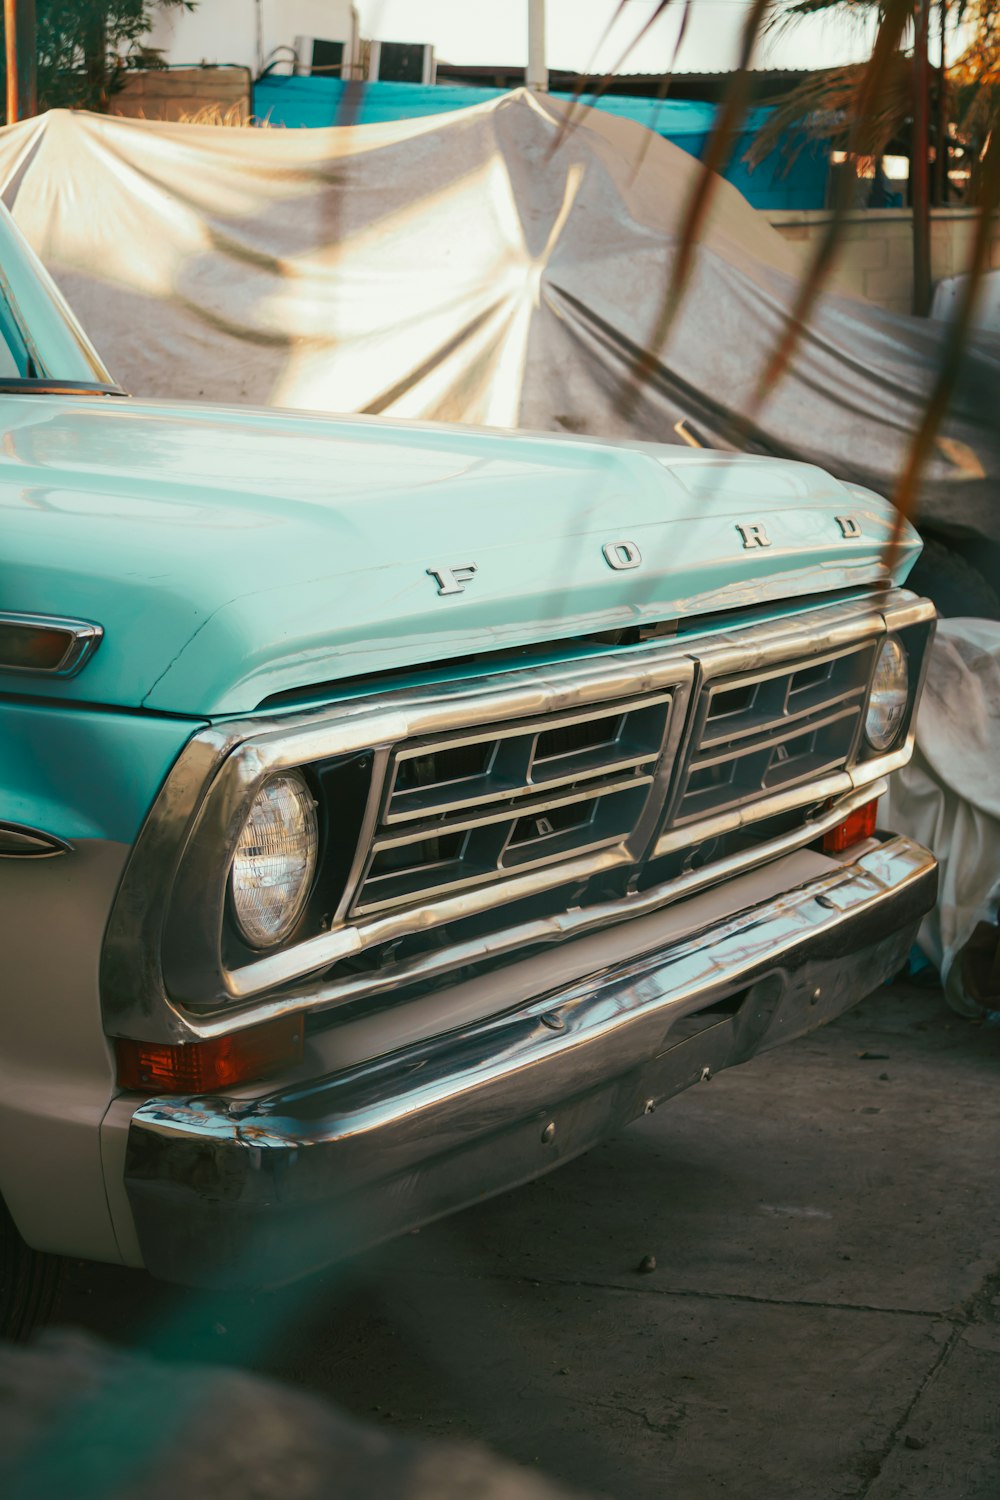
948	797
471	267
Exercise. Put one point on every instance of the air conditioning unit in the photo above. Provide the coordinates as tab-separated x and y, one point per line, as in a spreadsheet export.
402	62
324	57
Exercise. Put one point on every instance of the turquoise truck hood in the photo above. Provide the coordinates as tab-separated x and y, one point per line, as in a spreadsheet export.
231	554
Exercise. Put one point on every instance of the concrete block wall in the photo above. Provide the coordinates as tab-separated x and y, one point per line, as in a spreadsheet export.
178	93
876	253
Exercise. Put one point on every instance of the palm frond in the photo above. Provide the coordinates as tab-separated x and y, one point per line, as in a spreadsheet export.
959	329
785	16
881	66
583	81
826	106
719	147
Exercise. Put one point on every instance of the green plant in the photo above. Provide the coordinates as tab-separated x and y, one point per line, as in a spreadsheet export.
85	46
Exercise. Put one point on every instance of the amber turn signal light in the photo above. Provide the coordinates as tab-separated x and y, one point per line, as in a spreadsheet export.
858	825
205	1067
25	648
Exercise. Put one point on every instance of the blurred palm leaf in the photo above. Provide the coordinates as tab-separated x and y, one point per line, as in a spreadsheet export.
838	106
861	109
718	150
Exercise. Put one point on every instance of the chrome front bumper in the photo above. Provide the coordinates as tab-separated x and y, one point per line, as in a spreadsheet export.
254	1192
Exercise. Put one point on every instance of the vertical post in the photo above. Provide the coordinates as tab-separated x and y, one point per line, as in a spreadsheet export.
537	76
941	131
919	163
95	62
19	37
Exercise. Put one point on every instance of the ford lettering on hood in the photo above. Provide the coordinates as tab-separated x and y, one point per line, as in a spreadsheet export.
233	554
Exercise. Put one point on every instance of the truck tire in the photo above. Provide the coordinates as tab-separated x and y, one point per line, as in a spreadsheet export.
953	585
29	1282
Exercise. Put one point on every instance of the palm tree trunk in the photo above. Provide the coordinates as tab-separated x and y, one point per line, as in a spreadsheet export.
19	33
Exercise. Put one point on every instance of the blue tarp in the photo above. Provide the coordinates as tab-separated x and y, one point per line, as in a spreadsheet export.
318	101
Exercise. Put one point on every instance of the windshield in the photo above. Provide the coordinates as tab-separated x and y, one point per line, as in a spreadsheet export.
40	340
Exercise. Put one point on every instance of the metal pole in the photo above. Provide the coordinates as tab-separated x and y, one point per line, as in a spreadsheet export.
919	154
941	134
537	76
19	37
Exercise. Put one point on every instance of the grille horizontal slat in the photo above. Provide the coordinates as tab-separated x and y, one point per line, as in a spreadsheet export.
777	726
435	806
529	806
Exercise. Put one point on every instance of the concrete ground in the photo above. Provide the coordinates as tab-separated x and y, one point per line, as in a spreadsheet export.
823	1318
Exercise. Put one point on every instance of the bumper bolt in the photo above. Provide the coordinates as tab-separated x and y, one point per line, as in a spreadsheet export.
553	1021
549	1133
649	1106
706	1075
817	992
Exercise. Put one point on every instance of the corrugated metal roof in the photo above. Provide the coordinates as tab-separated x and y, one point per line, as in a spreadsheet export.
687	73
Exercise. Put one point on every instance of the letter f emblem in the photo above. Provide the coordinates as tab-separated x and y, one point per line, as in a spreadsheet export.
453	580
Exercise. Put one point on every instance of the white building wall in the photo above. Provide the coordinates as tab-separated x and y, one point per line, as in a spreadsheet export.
250	32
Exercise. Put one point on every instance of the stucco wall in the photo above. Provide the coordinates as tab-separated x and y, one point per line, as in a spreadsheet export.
178	93
252	33
876	255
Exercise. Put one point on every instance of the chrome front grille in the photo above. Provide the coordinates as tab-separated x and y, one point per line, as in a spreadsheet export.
504	810
762	732
461	810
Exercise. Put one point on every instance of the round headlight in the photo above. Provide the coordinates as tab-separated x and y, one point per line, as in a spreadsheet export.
889	695
275	861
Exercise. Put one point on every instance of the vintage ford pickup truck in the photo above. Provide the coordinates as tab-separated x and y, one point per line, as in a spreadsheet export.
389	812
